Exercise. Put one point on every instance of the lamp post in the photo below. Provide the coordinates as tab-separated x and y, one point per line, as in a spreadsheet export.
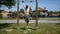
17	14
36	14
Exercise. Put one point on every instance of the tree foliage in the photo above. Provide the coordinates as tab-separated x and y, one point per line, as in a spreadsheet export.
8	3
1	11
22	10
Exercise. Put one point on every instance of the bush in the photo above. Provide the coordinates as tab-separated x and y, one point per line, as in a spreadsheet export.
1	16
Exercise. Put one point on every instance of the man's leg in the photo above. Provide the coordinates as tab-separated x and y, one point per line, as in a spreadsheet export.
27	24
27	21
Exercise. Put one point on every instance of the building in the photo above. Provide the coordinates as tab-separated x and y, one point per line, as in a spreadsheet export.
5	14
54	14
42	12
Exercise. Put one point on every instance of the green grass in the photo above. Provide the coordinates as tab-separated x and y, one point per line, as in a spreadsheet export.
42	29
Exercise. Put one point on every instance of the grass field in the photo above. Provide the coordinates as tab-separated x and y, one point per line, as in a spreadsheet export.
42	29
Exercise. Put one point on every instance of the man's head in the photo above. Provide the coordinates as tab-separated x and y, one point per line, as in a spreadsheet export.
26	6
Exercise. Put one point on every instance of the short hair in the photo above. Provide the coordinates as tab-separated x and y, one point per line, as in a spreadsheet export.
26	6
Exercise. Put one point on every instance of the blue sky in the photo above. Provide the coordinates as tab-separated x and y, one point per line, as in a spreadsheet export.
51	5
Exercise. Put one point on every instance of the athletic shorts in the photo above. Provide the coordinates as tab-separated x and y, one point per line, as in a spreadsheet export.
27	18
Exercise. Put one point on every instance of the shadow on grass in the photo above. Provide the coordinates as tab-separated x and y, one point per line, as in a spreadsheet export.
57	23
27	28
23	28
13	26
4	25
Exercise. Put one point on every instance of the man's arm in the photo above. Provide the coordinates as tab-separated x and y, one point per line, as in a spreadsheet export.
23	4
30	4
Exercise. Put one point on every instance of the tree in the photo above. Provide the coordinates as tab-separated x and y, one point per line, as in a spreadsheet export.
1	11
30	12
1	16
8	3
50	13
22	10
21	13
38	13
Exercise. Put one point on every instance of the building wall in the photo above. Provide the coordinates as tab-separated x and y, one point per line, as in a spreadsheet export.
5	14
46	14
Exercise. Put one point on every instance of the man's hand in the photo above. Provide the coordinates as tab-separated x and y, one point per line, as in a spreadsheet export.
22	1
31	1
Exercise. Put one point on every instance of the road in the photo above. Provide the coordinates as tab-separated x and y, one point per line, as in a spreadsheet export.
31	21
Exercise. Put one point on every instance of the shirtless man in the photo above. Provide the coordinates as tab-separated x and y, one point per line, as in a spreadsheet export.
26	12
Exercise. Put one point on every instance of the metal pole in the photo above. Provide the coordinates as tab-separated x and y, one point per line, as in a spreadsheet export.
36	14
17	14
